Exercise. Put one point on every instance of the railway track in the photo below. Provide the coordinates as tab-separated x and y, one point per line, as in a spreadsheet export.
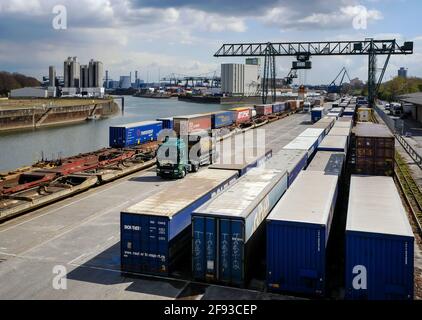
412	193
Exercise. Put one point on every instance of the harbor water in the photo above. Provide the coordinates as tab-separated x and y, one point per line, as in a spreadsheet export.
23	148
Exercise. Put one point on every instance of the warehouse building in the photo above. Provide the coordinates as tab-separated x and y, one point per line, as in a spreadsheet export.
412	103
29	92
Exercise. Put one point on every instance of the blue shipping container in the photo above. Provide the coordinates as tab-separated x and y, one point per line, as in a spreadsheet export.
279	107
156	231
317	114
167	122
297	233
227	231
133	134
379	242
221	119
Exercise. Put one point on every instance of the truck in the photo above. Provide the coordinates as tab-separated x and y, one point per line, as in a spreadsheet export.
190	147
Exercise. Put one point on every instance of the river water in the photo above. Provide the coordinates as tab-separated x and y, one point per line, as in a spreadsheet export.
26	147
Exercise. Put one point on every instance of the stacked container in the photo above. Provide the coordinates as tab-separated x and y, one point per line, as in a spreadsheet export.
156	231
374	149
379	242
228	231
297	234
133	134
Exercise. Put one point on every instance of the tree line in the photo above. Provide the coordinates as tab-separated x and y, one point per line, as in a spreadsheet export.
10	81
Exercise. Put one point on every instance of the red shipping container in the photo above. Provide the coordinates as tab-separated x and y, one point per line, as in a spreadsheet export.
186	125
241	115
264	109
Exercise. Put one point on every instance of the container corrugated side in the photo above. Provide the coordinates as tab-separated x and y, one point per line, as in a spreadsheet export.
227	235
279	107
328	162
294	161
156	230
264	109
297	233
379	242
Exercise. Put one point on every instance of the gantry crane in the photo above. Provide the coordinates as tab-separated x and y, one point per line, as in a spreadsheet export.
303	51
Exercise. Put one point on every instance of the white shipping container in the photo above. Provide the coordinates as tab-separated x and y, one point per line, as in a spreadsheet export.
314	132
308	144
334	143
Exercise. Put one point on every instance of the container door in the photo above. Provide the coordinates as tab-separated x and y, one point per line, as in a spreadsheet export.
198	247
231	242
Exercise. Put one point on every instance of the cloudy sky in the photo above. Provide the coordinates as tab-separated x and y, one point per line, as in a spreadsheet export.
159	37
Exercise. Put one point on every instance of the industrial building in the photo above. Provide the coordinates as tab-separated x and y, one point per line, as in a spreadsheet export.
402	72
82	79
125	82
71	72
240	79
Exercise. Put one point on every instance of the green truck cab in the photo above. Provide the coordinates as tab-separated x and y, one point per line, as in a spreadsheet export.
177	156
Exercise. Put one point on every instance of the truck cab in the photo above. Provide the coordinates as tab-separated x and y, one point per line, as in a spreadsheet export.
177	156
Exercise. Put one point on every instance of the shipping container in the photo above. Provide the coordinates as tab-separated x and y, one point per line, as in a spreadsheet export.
326	125
328	162
279	107
317	114
228	237
221	119
379	242
297	233
294	161
340	132
314	132
155	232
334	143
241	115
349	111
375	149
308	144
333	115
186	125
132	134
264	109
167	122
242	161
343	123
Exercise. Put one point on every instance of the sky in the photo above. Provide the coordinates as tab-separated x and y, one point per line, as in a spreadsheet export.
161	37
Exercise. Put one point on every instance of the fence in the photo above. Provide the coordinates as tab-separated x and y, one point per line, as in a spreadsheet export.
392	126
